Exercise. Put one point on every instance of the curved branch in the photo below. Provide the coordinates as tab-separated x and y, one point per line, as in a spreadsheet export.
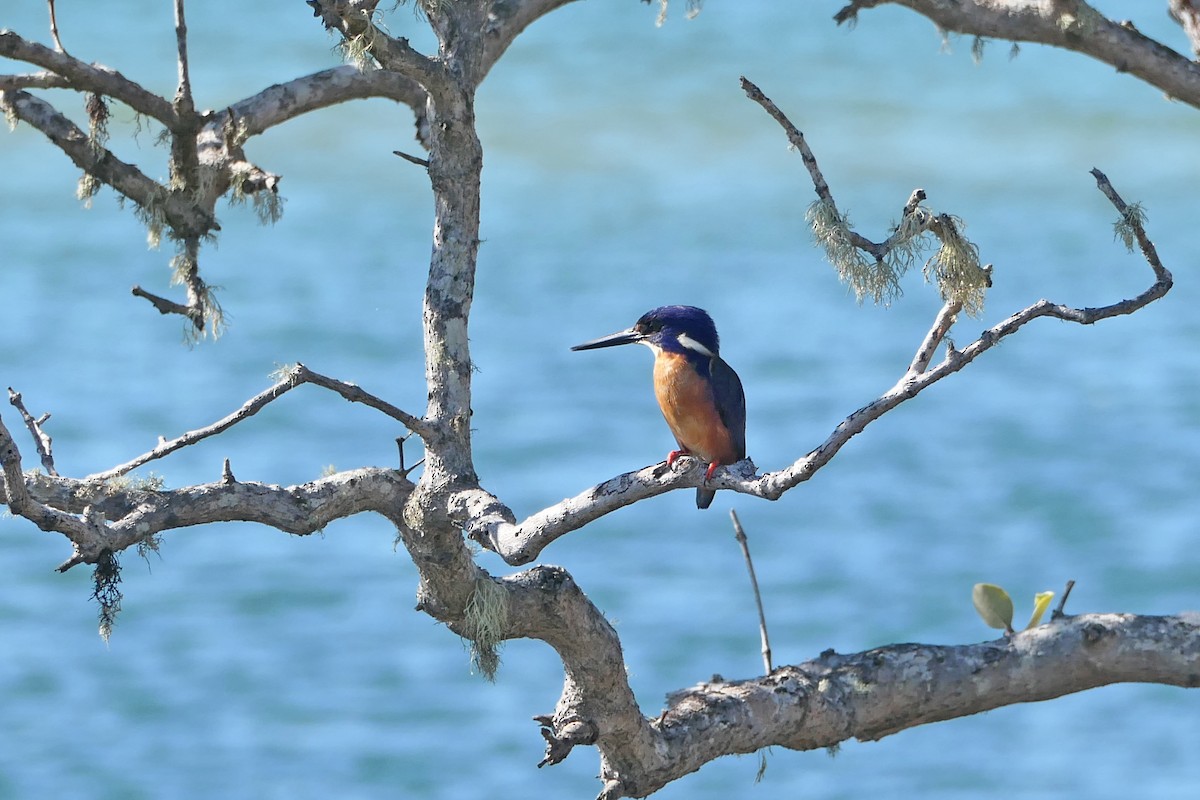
1070	25
299	510
89	77
822	702
164	306
285	101
183	216
100	518
355	21
912	209
494	526
508	18
873	694
23	504
33	80
294	377
597	704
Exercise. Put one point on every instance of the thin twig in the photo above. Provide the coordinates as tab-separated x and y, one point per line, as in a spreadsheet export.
406	470
820	185
794	136
1062	602
22	504
355	394
929	345
184	104
740	534
41	439
162	304
300	374
54	29
86	77
519	543
420	162
179	212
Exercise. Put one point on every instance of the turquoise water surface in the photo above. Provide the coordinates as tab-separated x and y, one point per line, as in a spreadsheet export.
624	169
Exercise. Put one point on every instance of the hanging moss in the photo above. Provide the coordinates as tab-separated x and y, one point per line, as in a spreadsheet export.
106	591
485	623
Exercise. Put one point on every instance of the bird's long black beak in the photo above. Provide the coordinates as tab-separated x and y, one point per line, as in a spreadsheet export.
612	340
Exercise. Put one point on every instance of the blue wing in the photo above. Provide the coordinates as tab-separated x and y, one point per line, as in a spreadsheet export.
731	402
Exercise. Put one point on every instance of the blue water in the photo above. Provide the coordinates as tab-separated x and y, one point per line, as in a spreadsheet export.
624	169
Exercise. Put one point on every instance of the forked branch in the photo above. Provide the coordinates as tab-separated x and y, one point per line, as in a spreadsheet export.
101	515
296	376
494	526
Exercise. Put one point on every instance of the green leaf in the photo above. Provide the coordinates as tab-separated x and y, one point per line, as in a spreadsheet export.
994	605
1041	601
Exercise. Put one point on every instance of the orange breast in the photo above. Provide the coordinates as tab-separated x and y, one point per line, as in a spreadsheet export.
688	405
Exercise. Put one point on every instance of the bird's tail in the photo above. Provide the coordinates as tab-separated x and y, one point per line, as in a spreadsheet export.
704	497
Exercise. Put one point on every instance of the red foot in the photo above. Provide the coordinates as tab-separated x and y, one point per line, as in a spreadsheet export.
674	455
711	469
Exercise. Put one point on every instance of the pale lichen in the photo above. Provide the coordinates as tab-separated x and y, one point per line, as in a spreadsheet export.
87	188
266	201
866	276
1132	220
485	623
955	267
152	214
10	112
284	372
694	8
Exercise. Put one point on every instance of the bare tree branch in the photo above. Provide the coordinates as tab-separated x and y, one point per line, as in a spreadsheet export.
355	394
162	304
176	210
184	104
33	80
298	510
597	704
294	377
874	269
355	21
89	77
824	702
508	19
1070	25
816	704
285	101
54	28
739	533
41	439
929	345
912	209
493	525
21	503
207	159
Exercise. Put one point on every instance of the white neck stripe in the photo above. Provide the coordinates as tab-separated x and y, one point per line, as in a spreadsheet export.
692	344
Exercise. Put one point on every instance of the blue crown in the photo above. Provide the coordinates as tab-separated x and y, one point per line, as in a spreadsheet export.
665	325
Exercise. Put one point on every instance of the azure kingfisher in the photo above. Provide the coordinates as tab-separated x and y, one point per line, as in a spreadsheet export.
700	395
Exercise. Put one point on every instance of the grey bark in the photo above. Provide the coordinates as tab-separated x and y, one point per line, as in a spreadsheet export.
815	704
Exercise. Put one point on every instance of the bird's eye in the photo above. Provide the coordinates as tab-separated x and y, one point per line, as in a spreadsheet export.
650	326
